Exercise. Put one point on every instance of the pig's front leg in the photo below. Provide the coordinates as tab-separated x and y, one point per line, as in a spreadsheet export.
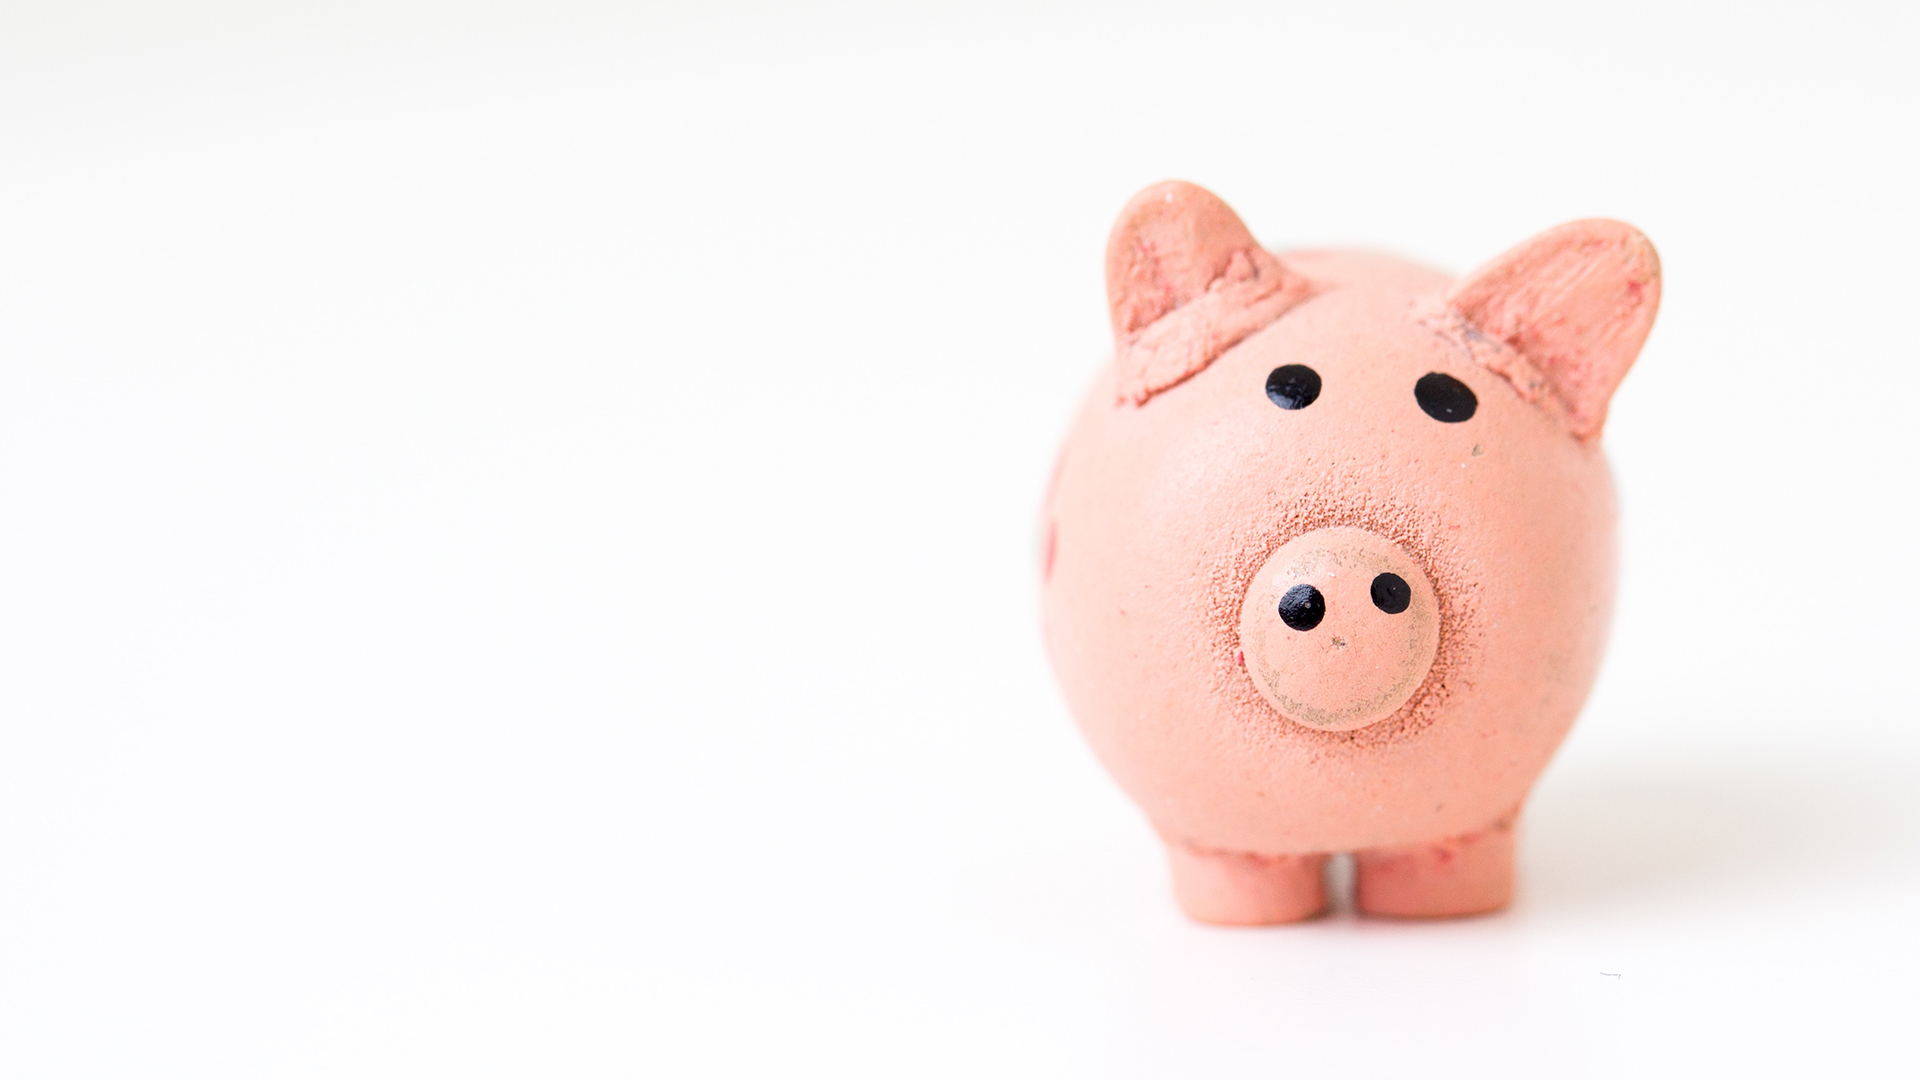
1460	875
1235	888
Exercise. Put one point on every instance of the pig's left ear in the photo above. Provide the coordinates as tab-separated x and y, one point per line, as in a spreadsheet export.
1185	283
1577	302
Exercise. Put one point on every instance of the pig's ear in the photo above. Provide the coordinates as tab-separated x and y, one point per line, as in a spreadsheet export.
1577	302
1186	282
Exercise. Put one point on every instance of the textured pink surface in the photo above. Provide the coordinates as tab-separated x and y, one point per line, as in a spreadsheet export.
1458	875
1578	302
1185	281
1240	889
1242	738
1360	664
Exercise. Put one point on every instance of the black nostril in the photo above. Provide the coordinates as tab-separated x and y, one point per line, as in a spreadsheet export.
1391	594
1303	607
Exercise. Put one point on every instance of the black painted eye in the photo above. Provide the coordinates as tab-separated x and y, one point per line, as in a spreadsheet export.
1294	386
1445	398
1391	594
1303	607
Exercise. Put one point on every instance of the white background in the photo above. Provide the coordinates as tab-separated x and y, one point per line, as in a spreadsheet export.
517	538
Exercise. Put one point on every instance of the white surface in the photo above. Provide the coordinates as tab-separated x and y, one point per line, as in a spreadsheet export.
518	528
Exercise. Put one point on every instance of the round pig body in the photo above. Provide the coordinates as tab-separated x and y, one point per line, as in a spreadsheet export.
1329	551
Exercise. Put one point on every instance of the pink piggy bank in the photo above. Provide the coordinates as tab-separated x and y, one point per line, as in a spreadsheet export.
1328	555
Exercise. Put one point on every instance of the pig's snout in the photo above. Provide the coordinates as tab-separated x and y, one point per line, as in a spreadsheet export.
1339	628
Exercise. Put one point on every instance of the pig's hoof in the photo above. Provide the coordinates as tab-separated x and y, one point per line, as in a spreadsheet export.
1461	875
1233	888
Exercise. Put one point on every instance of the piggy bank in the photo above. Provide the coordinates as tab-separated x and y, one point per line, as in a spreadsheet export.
1328	557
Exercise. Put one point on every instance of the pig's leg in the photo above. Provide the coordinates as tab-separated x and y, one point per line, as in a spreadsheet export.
1460	875
1235	888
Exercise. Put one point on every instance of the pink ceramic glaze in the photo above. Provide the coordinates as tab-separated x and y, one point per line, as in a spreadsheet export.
1329	552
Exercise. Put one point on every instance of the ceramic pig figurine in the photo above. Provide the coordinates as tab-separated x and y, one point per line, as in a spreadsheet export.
1328	556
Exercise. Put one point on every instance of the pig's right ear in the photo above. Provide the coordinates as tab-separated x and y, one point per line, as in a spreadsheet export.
1186	282
1577	301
